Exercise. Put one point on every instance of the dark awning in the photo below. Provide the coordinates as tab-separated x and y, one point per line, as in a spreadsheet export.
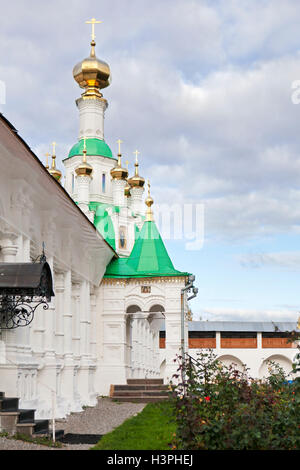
26	279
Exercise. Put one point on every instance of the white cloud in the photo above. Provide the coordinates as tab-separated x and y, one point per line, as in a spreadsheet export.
289	260
230	314
202	90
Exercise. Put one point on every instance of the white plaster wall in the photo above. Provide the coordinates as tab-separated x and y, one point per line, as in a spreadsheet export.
255	359
56	353
114	298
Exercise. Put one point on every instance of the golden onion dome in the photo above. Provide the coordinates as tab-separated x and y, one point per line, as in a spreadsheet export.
136	181
84	169
92	73
57	174
119	173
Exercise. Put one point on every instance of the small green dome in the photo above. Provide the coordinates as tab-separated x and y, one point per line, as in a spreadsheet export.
93	147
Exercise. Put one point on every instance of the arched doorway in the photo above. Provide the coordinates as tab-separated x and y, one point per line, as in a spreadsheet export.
131	340
229	360
284	362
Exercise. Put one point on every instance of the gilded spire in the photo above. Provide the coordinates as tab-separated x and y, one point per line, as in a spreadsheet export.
91	73
136	153
53	170
47	155
119	173
93	22
149	202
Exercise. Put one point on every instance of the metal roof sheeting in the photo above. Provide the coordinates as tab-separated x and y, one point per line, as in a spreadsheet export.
261	327
242	326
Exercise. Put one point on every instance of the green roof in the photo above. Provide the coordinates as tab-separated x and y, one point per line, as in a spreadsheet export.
104	225
149	258
93	147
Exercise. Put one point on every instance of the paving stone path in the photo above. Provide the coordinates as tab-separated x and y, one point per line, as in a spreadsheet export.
101	419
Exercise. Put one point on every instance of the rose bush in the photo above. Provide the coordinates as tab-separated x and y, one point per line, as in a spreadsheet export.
219	407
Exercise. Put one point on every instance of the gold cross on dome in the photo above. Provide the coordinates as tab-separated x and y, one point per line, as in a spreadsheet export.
119	142
93	21
136	153
127	163
53	146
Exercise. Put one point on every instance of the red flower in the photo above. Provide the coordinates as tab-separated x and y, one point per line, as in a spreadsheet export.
207	398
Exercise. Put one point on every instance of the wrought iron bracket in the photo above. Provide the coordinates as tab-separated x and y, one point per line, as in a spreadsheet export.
23	288
18	311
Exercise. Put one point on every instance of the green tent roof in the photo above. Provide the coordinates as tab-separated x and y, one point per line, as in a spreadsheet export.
93	147
149	258
104	225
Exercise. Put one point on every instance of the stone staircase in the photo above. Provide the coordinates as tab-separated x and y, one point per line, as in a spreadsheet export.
140	391
14	420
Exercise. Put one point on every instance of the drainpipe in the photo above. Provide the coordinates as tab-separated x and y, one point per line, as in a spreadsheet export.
187	288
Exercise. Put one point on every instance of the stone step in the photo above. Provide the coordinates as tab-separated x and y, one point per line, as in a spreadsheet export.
141	387
136	399
9	404
59	434
140	393
145	381
26	416
80	438
41	426
25	428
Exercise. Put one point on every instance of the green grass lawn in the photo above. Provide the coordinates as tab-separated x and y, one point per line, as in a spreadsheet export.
152	429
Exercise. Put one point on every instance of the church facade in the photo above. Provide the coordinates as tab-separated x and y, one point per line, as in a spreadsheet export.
114	282
115	285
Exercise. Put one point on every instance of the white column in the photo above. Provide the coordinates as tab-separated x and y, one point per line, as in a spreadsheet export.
59	306
49	349
76	321
91	117
173	342
136	200
259	340
135	345
218	341
83	192
67	315
93	326
85	358
118	188
9	249
67	374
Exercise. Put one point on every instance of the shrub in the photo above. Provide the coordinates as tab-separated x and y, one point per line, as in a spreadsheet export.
219	407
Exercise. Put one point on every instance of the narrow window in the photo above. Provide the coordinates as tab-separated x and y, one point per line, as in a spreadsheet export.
103	182
73	183
122	239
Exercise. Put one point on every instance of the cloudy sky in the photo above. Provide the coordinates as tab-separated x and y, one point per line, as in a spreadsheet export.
204	90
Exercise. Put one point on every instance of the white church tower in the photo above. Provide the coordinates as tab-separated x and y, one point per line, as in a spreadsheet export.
95	179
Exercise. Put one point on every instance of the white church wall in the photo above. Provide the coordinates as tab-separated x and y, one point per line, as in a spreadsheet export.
256	360
127	333
56	353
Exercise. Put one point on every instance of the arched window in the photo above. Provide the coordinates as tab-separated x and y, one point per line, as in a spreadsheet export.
157	308
133	309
